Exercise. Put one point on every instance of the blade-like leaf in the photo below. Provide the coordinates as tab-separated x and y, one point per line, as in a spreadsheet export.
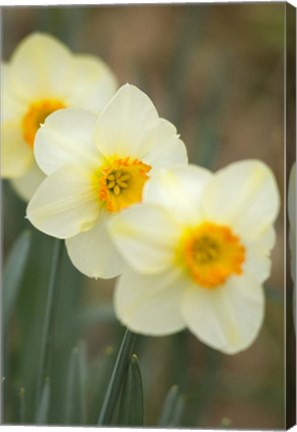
99	379
22	406
118	374
176	418
12	274
169	406
75	393
43	408
46	341
131	401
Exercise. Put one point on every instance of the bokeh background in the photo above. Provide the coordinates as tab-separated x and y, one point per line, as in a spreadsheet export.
216	72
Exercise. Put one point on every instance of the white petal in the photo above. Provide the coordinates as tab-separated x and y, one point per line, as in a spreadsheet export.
257	264
227	318
93	253
150	305
16	155
164	146
146	236
27	185
65	204
41	66
265	242
67	138
179	190
245	195
12	107
128	116
93	84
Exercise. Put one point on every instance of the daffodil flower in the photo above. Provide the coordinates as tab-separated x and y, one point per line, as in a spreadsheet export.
97	167
198	249
44	76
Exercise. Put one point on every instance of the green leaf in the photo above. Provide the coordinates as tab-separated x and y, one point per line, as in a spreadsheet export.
176	418
169	406
75	411
12	274
47	332
99	379
43	408
22	406
118	374
131	401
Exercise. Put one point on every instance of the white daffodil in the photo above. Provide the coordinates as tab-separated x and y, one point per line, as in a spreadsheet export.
44	76
96	167
198	248
292	231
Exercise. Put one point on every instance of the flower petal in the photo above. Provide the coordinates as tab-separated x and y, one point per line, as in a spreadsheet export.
179	190
120	127
150	305
27	184
93	84
146	236
13	107
257	264
67	138
16	155
65	204
164	146
93	253
227	318
245	195
41	67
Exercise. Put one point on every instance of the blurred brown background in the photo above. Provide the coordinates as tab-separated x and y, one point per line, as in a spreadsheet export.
216	72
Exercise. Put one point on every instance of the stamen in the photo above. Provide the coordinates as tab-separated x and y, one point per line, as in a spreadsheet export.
122	182
116	190
125	177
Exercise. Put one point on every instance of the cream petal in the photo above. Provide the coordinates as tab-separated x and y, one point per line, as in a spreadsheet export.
244	195
162	147
265	242
41	68
93	84
16	155
66	203
93	253
122	124
27	184
12	107
179	190
227	318
150	305
67	138
257	264
146	236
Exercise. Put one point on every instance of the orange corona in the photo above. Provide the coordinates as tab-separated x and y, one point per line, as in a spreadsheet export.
36	115
121	183
211	253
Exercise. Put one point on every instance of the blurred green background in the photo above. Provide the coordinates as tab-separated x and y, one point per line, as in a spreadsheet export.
217	73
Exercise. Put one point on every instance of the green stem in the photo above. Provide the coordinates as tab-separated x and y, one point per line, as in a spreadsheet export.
117	377
46	340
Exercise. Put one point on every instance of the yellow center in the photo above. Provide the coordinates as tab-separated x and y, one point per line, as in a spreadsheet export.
121	183
36	115
211	253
